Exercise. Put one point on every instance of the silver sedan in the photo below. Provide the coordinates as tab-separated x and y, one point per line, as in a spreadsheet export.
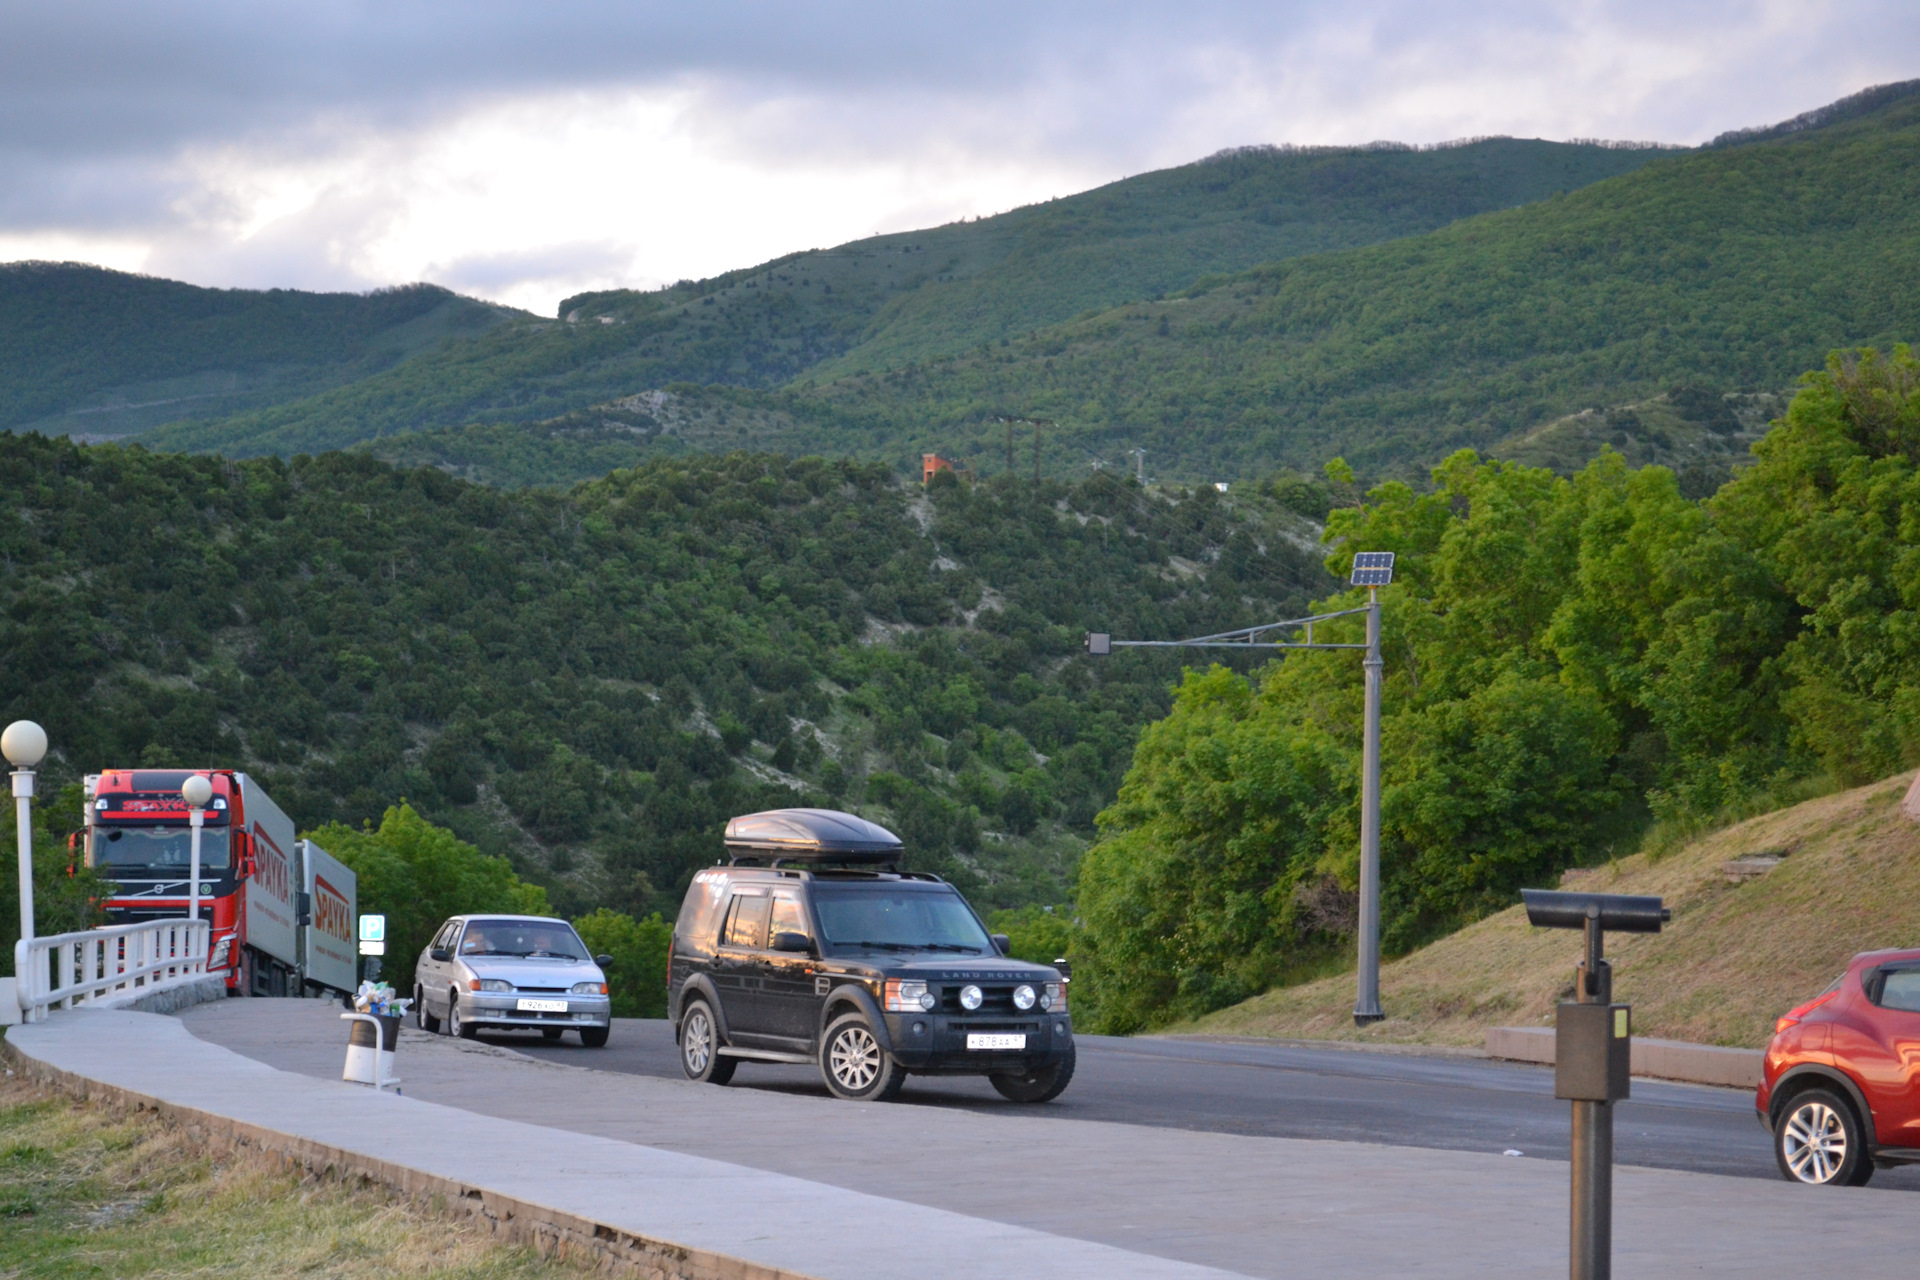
524	973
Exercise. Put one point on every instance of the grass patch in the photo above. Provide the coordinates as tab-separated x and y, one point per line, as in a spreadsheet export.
1735	957
86	1191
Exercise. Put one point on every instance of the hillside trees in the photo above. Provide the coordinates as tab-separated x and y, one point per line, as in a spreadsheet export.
591	683
1567	659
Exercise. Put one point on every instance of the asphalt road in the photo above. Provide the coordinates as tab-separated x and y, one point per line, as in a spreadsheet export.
1298	1091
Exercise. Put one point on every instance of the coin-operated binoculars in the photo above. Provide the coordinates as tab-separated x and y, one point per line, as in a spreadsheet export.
1592	1057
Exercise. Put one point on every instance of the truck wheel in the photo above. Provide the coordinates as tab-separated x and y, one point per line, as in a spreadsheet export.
596	1038
1819	1142
427	1022
700	1046
1043	1085
854	1065
456	1025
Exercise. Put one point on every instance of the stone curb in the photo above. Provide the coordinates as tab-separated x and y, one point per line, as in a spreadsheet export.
552	1232
1658	1059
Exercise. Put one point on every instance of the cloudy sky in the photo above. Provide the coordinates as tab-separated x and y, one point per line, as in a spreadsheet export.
522	151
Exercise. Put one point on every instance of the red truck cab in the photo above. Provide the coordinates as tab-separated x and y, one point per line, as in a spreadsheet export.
140	838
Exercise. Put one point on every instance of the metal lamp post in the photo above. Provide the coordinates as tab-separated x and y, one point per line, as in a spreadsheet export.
1372	570
196	791
25	745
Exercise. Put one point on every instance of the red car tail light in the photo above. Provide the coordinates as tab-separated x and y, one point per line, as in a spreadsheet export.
1794	1015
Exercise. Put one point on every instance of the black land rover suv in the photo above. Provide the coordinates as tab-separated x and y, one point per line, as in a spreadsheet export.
813	947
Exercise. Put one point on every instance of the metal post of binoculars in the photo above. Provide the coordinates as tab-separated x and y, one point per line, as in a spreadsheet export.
1593	1059
1372	570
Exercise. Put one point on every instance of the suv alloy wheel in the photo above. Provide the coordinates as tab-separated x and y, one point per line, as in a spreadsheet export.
700	1054
1044	1085
854	1065
1818	1141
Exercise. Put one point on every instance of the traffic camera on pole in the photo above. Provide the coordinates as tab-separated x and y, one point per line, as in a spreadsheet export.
1372	570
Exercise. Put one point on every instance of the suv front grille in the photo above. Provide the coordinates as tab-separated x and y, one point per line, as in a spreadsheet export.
997	998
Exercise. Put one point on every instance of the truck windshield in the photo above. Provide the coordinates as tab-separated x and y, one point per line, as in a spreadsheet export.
899	920
158	848
548	939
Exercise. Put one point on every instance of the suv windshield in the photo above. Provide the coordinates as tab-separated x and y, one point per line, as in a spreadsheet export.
158	848
898	920
550	939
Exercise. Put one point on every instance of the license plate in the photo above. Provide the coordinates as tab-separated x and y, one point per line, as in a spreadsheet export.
982	1040
542	1006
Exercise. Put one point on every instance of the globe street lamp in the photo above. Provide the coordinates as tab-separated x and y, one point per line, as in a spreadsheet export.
196	791
25	745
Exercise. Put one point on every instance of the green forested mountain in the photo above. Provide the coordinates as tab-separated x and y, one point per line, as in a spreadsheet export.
1569	659
1728	269
1709	273
892	300
592	682
89	351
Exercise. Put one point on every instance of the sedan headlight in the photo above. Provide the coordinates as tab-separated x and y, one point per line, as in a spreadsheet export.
589	988
971	997
1023	997
489	984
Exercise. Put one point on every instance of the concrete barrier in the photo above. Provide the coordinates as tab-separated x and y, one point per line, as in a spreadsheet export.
1659	1059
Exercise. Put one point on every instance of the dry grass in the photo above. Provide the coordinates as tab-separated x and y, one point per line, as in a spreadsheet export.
86	1191
1734	958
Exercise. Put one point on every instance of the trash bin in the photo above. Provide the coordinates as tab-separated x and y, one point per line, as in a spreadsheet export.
371	1041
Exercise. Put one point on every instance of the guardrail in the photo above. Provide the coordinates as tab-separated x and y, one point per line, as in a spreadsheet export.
98	966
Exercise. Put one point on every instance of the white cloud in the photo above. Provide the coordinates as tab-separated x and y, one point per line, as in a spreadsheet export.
526	152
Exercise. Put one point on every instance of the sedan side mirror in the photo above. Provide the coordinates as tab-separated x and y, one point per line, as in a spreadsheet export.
784	941
603	961
441	954
1003	944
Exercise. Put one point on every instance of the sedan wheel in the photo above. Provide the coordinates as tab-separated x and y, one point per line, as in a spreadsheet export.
425	1020
457	1025
855	1066
1819	1143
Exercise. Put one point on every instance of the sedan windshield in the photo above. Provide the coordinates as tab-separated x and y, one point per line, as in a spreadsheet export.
158	848
899	920
551	939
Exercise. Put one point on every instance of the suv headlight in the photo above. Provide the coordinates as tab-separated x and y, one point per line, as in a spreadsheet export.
1023	997
1053	997
905	995
971	997
489	984
589	988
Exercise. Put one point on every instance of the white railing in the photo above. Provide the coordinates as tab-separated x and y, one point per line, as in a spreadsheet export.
109	964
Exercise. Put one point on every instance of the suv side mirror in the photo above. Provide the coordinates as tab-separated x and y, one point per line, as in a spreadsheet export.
603	961
1003	944
784	941
441	954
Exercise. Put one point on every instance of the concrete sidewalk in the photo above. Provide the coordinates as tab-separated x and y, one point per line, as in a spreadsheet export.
810	1186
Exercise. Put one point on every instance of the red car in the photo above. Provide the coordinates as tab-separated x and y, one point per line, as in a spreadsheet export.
1841	1090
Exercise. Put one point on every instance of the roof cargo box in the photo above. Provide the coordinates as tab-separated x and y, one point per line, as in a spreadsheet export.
810	835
